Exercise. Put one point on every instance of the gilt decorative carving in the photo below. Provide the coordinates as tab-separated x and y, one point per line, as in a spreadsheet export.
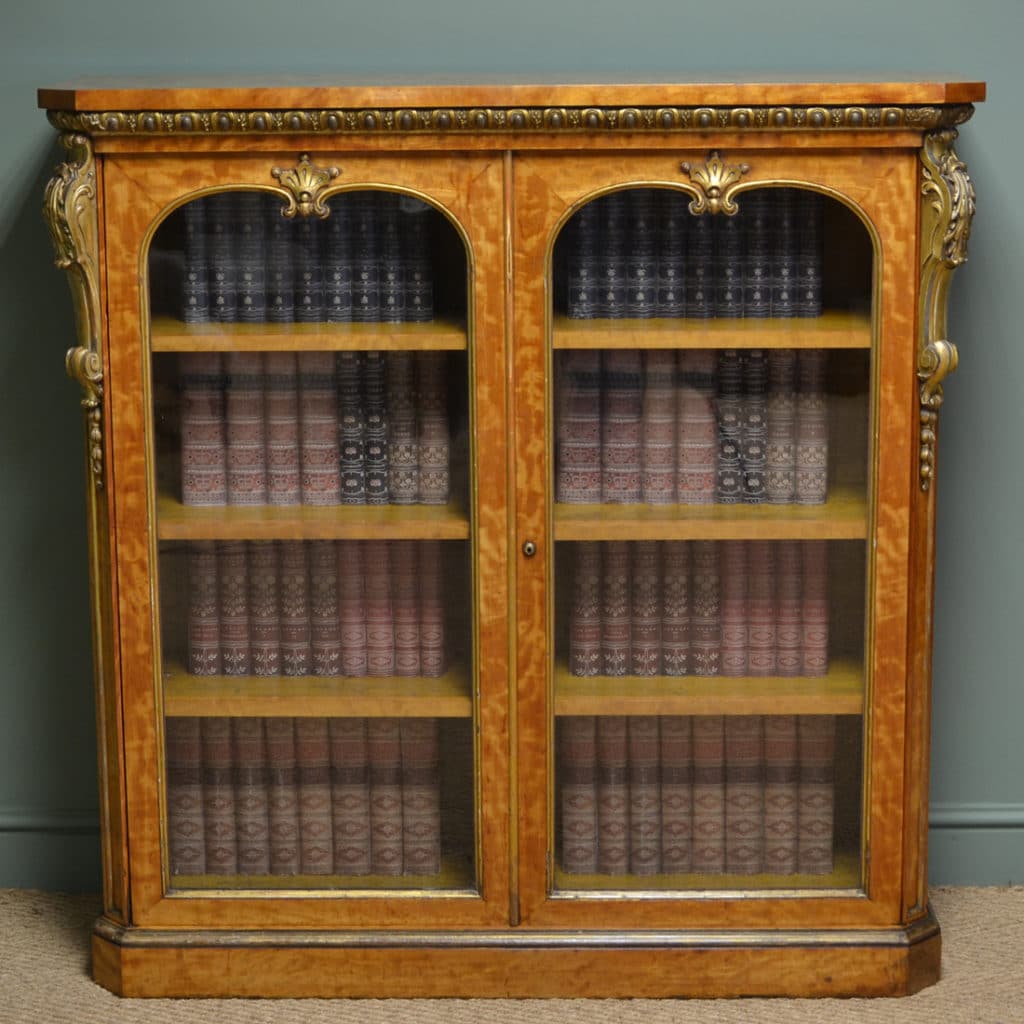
715	181
304	184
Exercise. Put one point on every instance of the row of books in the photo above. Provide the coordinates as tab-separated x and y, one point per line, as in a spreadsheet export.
641	253
705	794
694	426
702	608
321	608
314	428
368	261
303	796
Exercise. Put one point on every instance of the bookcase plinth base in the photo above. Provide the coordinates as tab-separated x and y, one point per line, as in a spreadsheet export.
519	964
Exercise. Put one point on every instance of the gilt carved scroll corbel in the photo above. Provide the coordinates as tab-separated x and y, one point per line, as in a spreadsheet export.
303	187
70	208
947	206
713	184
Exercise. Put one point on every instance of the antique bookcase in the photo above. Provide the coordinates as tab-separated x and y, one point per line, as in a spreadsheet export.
512	531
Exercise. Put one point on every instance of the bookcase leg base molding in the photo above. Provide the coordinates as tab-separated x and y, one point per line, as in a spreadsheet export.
489	965
498	509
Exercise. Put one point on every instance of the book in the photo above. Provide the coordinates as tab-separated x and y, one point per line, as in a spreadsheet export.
817	736
280	264
708	794
730	409
391	257
318	417
252	815
585	655
699	279
754	427
788	608
418	219
783	252
365	260
195	285
433	437
761	607
815	608
324	615
403	439
676	732
641	254
613	839
384	757
727	263
281	403
705	617
203	442
351	427
780	453
203	627
313	758
431	603
352	607
380	621
376	447
264	608
583	243
245	428
697	428
616	586
757	271
220	830
811	428
577	769
672	255
675	623
337	260
233	608
421	796
658	428
296	651
186	846
251	231
350	795
744	794
405	604
644	795
735	614
613	255
781	778
578	428
645	609
810	208
221	222
621	415
282	796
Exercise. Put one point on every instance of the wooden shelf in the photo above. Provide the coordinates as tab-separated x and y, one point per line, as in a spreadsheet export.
845	874
447	696
176	521
456	875
170	335
833	329
841	692
842	517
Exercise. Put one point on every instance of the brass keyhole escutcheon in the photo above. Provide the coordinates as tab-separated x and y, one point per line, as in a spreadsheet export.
529	548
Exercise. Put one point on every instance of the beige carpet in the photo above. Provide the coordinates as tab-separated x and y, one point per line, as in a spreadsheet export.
44	965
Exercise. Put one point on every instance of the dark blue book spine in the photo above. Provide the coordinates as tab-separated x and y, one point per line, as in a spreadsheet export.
728	265
223	250
754	450
309	272
642	255
700	300
338	262
376	438
729	469
809	253
195	292
613	256
280	271
674	218
417	220
392	263
365	267
784	285
351	427
582	264
757	267
252	271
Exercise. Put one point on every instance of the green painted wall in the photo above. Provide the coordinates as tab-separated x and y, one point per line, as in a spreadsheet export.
47	773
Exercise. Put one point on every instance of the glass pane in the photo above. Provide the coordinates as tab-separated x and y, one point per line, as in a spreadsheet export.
711	452
312	469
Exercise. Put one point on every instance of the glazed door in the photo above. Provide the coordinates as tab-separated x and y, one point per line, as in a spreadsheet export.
712	596
307	382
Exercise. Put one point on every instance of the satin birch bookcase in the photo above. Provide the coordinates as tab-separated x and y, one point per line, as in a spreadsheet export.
611	675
